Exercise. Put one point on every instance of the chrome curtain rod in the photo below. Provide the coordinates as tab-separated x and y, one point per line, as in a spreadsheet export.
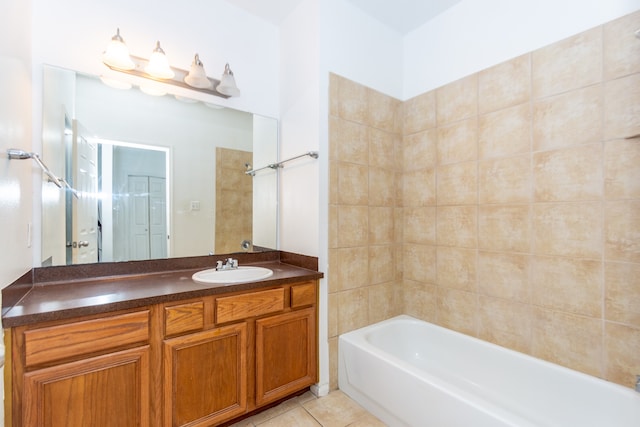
17	154
312	154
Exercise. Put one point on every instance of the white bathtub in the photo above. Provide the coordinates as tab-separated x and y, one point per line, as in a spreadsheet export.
412	373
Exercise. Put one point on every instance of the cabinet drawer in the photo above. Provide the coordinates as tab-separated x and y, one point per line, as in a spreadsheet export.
74	339
249	305
303	294
184	318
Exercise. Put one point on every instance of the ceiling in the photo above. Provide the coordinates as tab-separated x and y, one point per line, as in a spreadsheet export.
402	15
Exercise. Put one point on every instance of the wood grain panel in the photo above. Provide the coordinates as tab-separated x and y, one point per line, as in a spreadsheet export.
58	342
184	318
206	376
286	358
303	294
252	304
104	391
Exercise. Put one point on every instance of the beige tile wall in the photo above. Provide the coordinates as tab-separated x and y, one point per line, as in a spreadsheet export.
505	205
234	200
366	149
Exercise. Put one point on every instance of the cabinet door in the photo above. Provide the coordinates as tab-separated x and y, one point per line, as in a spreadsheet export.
285	354
205	376
111	390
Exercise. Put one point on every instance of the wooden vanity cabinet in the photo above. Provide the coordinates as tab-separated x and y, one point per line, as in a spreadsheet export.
286	347
255	348
196	363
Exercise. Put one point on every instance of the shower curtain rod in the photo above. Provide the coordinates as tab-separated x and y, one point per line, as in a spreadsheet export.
17	154
252	172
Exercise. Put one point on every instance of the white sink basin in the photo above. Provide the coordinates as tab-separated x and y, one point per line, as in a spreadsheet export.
235	275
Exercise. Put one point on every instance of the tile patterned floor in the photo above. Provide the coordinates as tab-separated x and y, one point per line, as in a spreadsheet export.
333	410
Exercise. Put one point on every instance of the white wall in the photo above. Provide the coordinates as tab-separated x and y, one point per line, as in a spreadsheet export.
265	182
474	35
360	48
15	132
60	86
299	114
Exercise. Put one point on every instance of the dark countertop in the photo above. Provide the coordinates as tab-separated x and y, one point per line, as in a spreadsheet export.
74	291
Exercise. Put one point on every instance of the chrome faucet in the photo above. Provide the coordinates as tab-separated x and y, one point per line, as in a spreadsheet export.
228	264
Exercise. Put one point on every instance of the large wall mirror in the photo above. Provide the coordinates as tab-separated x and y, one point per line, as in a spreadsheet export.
151	176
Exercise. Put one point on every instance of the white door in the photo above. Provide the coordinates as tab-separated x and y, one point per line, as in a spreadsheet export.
138	217
84	207
157	217
147	218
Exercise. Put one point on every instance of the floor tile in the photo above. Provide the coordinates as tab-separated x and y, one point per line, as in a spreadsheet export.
274	412
243	423
335	410
296	417
367	420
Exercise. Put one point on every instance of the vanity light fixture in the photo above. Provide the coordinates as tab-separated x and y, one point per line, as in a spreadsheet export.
157	68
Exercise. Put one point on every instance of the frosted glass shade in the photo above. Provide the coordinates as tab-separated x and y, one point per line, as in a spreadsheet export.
158	65
116	54
197	77
227	84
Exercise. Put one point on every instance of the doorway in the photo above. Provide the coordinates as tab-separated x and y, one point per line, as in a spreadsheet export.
134	208
147	217
81	223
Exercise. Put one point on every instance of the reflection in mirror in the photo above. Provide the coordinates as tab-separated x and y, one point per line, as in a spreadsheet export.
169	177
